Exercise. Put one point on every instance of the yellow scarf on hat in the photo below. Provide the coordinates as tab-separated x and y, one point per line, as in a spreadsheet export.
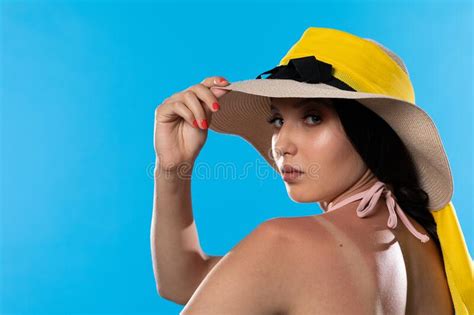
457	261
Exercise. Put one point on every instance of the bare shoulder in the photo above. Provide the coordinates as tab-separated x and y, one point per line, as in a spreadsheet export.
325	260
248	279
314	242
307	230
360	267
279	268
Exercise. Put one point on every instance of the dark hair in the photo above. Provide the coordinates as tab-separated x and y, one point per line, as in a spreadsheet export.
386	156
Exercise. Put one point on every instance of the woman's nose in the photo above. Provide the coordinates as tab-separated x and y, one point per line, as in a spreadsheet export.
283	142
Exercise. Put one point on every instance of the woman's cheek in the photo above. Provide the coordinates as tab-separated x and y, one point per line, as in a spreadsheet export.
349	166
336	158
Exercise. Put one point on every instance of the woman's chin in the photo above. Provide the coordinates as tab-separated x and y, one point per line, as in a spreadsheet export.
301	195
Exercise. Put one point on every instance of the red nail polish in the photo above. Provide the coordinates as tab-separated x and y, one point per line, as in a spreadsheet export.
215	106
195	123
204	123
222	80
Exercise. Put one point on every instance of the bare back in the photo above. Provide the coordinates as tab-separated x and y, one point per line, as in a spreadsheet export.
369	268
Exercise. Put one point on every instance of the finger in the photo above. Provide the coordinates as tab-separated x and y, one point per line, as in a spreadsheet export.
172	98
218	92
204	94
167	112
215	80
192	102
182	110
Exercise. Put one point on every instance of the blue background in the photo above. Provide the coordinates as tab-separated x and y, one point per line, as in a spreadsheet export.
80	83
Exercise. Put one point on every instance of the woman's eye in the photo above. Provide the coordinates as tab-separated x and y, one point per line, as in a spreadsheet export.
271	120
311	121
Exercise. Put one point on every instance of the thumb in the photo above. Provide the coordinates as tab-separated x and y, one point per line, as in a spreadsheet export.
218	92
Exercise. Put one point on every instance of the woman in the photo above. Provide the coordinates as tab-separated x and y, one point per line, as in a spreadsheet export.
345	134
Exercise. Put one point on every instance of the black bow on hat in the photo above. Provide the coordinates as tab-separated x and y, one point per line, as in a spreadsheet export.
306	69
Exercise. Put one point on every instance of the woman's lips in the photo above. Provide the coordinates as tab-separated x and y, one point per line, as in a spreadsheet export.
291	176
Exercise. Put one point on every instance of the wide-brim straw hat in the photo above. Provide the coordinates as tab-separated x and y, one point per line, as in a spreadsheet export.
330	60
330	63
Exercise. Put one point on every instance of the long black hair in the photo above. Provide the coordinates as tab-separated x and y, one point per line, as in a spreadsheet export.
386	156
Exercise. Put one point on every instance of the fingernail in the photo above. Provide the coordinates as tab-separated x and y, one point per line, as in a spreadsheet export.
222	80
204	124
195	123
215	106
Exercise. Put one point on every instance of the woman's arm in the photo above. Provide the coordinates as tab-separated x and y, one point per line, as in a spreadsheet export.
179	264
180	131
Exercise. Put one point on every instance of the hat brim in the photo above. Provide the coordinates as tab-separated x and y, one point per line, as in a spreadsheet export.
246	107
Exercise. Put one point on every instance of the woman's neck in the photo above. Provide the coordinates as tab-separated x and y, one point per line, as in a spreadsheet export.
365	182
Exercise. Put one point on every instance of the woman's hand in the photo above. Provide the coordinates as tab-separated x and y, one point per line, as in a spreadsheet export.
181	123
